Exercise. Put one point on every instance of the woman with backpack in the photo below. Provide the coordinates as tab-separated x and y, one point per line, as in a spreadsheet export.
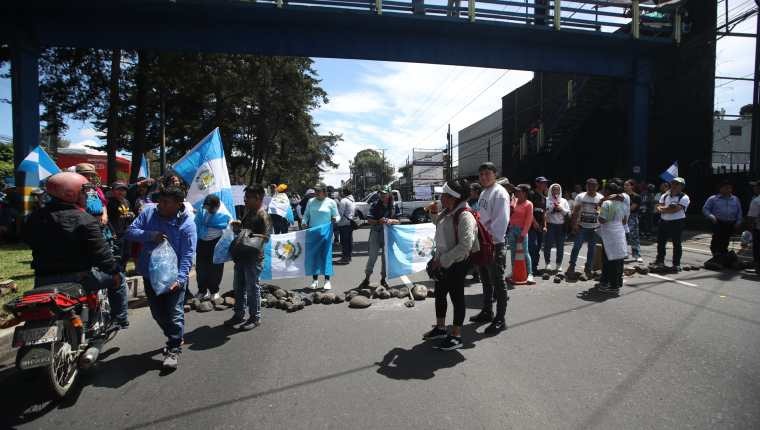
456	237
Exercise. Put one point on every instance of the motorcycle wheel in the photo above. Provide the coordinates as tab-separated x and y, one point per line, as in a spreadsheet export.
63	369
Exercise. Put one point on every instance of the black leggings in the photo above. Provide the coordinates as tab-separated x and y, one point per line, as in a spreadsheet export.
453	285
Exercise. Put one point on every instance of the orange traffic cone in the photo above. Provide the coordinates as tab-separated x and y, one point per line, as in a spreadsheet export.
519	268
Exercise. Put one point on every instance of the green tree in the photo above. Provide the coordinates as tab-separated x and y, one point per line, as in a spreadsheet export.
371	163
6	160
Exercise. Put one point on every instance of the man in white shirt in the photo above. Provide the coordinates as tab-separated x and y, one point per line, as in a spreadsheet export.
672	209
585	221
494	215
346	209
753	220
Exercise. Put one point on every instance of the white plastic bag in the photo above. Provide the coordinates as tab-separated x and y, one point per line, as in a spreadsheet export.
163	268
222	248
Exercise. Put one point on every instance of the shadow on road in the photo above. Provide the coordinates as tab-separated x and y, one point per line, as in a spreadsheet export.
422	361
207	337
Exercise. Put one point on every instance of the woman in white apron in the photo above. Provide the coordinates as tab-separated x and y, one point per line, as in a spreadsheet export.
612	231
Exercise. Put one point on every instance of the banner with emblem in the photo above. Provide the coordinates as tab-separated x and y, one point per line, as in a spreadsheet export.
408	248
204	169
299	253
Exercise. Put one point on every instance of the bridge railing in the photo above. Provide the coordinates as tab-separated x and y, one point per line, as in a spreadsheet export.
624	16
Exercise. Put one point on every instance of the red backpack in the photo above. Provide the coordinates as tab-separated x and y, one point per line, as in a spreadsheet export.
485	256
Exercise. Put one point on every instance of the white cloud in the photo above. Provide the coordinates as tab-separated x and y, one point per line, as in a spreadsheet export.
411	105
90	133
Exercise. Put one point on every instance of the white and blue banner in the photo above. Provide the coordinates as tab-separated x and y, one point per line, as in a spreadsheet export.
38	166
408	248
204	169
299	253
280	205
671	173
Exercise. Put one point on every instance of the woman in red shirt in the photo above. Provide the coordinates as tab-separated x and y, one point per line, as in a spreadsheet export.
520	221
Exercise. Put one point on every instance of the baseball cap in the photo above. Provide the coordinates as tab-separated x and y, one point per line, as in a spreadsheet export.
592	181
487	166
679	180
541	179
119	185
310	191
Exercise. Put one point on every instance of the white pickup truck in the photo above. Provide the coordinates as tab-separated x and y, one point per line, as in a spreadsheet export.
413	210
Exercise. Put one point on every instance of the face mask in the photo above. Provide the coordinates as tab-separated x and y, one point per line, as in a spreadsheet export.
94	205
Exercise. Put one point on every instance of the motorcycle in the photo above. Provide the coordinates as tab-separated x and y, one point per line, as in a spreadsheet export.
65	328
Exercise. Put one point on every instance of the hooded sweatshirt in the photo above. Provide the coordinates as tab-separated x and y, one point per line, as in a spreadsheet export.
557	208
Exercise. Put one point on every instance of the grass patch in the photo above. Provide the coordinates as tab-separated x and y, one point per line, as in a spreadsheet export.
16	261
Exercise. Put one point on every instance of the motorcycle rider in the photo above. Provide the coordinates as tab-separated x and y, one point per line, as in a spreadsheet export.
66	241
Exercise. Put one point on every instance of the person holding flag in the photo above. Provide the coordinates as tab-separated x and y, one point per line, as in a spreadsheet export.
280	211
321	210
209	224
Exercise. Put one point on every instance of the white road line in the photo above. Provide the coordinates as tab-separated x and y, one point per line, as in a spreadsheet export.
664	278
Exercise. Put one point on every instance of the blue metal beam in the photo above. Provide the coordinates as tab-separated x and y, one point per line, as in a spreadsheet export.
237	27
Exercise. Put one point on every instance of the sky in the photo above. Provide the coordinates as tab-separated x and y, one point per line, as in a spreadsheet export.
400	106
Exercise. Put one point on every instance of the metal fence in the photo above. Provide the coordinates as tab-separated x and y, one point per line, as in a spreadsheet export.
592	15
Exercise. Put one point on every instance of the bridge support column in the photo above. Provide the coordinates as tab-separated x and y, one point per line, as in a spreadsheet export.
639	121
26	104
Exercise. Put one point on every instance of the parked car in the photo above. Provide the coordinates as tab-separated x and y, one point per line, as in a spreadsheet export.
414	210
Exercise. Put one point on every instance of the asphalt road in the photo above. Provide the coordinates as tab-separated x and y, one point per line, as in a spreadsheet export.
668	353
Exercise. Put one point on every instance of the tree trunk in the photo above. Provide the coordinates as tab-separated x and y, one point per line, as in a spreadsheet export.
138	144
113	114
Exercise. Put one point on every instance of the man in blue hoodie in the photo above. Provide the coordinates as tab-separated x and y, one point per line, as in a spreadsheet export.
168	221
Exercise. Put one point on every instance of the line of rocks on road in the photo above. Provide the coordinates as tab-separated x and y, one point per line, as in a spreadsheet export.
361	298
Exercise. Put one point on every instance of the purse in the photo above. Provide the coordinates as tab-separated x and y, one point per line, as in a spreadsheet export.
246	246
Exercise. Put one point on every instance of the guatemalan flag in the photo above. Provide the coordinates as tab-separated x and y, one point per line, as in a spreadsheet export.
204	168
38	166
299	253
408	248
671	173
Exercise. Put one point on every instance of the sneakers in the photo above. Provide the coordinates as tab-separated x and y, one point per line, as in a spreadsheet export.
530	280
384	283
121	324
606	289
639	260
496	327
677	269
171	359
314	285
204	296
216	297
571	268
364	284
250	325
435	333
482	317
327	286
558	268
450	343
233	321
549	267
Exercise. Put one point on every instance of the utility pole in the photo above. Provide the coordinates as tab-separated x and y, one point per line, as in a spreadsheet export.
449	154
755	133
382	170
163	132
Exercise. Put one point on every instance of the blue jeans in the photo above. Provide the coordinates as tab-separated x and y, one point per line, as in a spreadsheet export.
168	311
513	235
633	236
587	235
117	298
555	237
245	282
535	243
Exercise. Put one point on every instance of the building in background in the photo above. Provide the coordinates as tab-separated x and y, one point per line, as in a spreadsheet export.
731	144
425	171
478	143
